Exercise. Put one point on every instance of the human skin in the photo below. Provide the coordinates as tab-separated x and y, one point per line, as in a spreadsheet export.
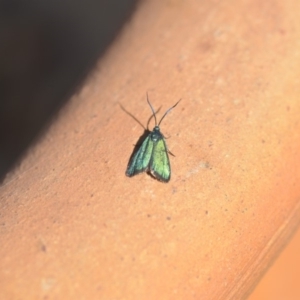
73	226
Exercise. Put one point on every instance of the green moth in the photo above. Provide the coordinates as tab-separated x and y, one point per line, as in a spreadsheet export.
152	155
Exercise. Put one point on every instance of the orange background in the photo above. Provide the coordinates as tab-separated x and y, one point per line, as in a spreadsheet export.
73	226
282	279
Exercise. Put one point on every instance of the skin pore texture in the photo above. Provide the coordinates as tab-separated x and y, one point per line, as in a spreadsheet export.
74	226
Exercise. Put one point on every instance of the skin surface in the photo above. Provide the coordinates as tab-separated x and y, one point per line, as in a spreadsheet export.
73	226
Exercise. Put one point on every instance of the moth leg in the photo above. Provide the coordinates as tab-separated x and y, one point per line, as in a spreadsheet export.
167	147
170	152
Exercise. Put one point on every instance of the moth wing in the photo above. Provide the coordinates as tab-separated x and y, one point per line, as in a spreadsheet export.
139	162
160	164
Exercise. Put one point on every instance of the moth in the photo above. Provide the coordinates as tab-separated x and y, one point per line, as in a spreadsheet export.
152	155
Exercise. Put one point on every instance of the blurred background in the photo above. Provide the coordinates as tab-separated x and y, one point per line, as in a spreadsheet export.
282	280
47	48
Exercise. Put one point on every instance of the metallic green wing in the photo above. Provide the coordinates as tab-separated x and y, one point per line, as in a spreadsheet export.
159	164
141	158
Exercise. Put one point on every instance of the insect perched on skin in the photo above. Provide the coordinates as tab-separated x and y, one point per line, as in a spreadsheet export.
152	155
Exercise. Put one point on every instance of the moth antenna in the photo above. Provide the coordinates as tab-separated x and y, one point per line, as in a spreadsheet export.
168	111
154	115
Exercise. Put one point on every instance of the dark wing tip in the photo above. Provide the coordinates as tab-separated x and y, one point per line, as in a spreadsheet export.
131	172
159	177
